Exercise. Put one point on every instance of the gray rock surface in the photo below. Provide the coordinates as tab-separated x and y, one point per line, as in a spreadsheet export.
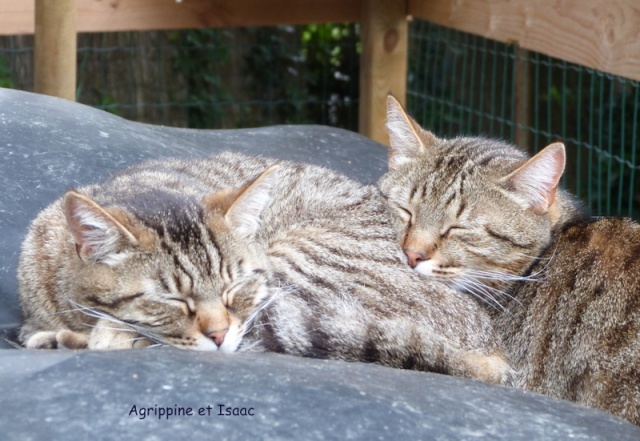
90	395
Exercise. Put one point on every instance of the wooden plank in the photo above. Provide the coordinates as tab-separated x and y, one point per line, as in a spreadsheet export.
17	17
601	34
141	15
383	64
55	48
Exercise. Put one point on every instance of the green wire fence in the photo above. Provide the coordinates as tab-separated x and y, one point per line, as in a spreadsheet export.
464	84
458	83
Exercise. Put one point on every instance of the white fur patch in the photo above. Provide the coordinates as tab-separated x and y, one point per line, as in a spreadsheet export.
233	338
425	268
204	343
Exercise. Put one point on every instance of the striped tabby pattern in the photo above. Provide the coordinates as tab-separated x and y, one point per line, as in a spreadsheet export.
563	290
237	253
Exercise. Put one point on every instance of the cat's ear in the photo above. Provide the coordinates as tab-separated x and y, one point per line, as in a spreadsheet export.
244	214
536	181
98	235
406	137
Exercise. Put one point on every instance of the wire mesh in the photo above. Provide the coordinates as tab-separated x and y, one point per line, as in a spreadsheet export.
464	84
458	83
211	78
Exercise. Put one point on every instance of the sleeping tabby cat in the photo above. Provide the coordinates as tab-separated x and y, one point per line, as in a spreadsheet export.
233	252
563	290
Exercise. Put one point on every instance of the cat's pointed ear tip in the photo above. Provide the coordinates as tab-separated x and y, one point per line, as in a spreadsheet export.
72	199
267	177
392	102
558	146
558	150
270	170
71	194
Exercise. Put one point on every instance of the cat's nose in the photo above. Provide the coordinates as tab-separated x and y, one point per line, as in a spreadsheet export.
415	257
217	335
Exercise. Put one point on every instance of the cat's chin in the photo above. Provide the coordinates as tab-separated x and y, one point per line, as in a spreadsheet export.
230	344
426	269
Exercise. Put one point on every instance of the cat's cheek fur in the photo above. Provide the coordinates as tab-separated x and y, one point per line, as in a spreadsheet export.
233	338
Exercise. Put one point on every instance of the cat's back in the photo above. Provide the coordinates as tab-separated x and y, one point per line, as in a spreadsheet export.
608	246
579	324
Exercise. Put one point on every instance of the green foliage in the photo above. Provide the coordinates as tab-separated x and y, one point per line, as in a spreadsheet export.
5	73
201	53
464	84
260	76
331	53
274	79
108	104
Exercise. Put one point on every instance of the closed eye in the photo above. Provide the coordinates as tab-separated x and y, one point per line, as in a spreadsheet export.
451	229
406	215
187	304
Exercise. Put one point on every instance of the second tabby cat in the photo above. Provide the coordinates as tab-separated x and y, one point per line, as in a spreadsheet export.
563	290
236	252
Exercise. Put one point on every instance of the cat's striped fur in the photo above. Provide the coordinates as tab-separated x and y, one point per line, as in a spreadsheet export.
193	253
563	290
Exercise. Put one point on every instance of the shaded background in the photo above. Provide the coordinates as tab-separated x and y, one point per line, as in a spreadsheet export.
458	84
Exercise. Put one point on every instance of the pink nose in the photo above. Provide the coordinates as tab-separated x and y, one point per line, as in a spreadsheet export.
217	336
414	257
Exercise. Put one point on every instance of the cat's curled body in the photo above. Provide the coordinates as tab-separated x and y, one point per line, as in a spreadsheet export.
219	254
563	289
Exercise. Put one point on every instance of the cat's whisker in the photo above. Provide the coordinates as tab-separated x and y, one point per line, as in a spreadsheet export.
516	254
108	328
249	324
550	260
492	291
501	293
133	340
501	276
67	311
101	315
471	286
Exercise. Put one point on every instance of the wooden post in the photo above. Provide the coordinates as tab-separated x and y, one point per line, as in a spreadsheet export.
55	48
383	64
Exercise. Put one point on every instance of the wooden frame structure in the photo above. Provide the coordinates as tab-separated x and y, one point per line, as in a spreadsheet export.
600	34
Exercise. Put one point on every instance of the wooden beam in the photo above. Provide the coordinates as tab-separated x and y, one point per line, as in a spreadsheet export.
55	48
143	15
17	17
601	34
383	63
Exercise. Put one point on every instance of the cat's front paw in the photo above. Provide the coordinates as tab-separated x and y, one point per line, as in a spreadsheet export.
490	368
42	340
71	340
56	340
